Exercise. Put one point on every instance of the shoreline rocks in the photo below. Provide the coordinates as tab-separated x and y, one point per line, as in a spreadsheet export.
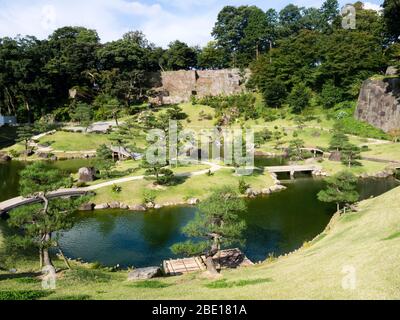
144	273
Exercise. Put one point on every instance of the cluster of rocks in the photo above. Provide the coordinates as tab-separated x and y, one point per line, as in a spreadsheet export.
319	173
381	175
251	193
136	207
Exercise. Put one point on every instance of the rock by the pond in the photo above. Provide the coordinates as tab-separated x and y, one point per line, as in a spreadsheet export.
44	155
102	206
87	207
277	188
137	207
144	273
123	206
86	174
4	157
158	206
266	191
150	205
115	205
193	201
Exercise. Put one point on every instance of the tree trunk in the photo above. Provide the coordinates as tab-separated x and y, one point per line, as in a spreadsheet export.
46	255
337	207
64	258
41	257
210	265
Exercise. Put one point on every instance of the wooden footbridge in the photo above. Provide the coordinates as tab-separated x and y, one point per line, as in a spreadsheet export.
230	258
11	204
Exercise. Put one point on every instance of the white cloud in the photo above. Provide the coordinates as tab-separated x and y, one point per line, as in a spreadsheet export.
372	6
111	18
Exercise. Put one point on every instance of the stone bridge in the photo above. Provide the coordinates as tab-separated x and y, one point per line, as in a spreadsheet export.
11	204
293	169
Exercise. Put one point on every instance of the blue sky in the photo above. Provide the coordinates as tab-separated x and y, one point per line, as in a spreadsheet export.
161	20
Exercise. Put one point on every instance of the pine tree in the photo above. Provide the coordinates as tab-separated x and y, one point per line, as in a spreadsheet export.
216	225
24	134
341	189
39	222
350	154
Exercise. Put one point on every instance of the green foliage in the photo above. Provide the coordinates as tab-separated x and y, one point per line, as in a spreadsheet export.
350	154
274	93
216	225
341	189
82	113
224	283
330	95
150	284
149	196
116	188
24	294
82	275
299	98
262	137
339	139
234	106
243	186
24	134
295	151
352	126
179	56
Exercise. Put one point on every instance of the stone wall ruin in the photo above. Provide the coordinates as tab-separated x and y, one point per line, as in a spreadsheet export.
180	86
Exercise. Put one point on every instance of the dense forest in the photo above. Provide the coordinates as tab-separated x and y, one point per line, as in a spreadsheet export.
291	53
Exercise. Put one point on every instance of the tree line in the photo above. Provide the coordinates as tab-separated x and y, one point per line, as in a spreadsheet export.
290	52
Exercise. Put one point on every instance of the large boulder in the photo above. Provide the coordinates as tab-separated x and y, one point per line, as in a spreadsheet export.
86	174
379	103
144	273
4	157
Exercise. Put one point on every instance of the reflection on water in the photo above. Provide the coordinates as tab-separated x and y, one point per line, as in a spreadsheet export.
277	224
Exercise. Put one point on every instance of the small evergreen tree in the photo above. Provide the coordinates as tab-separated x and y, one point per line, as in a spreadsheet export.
350	154
341	189
295	150
39	222
24	135
299	98
216	225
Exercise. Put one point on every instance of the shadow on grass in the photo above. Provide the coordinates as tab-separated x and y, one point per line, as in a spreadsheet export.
20	277
223	283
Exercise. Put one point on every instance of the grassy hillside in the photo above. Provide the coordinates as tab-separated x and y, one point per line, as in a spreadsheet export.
366	242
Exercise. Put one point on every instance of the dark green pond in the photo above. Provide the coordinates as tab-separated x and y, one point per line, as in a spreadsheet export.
9	174
277	224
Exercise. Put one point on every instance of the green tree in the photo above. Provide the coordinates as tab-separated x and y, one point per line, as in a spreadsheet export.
341	189
212	57
216	225
179	56
299	98
275	93
24	135
295	150
82	113
39	222
104	162
339	139
350	154
391	14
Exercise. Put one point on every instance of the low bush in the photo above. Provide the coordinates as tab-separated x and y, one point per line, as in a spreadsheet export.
24	294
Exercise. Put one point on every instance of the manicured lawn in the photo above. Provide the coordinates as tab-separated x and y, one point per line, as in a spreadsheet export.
71	141
369	167
388	151
364	244
193	187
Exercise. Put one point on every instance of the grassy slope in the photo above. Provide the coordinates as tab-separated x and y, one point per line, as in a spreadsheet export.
197	186
367	241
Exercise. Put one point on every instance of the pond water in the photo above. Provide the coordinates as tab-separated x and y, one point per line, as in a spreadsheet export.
9	174
278	223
